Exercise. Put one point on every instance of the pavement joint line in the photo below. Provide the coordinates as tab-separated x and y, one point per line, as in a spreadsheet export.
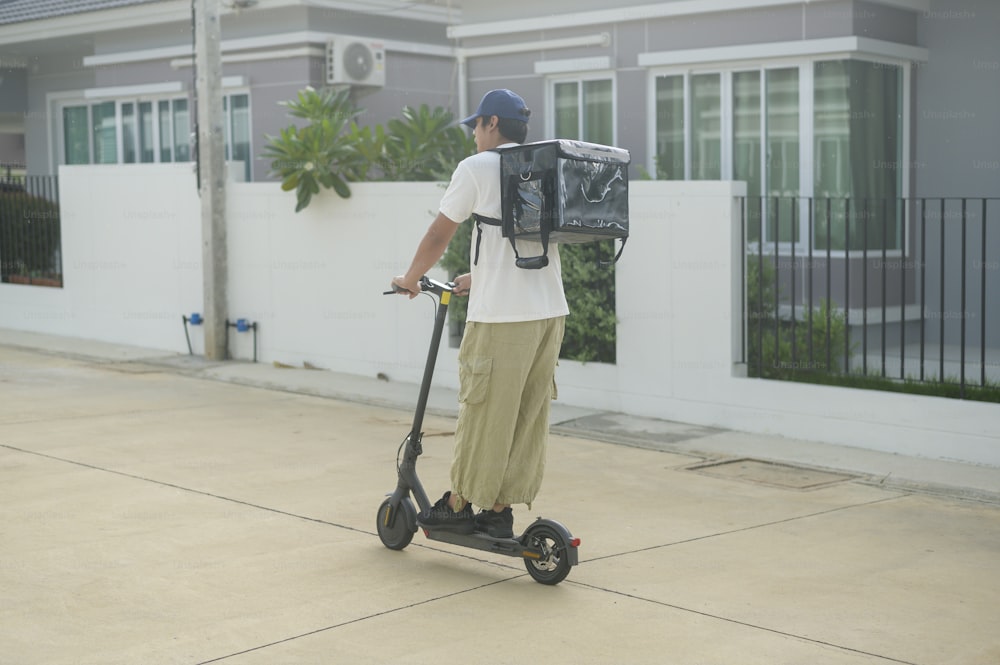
463	591
738	622
248	504
203	372
162	483
750	528
357	620
83	416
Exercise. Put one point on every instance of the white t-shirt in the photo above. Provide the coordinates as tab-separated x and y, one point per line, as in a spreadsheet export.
501	292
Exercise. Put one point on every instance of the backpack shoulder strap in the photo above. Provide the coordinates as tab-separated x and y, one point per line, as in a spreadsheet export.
480	220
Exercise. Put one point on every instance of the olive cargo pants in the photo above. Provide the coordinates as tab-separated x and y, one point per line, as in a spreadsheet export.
507	380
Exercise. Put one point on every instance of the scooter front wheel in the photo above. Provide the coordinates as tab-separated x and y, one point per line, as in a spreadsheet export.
553	565
396	526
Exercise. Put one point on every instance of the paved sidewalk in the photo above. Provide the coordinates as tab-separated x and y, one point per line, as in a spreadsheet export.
161	509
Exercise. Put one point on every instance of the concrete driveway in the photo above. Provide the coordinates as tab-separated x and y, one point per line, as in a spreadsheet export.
152	513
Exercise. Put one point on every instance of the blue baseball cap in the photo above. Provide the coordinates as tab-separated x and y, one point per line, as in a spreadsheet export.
502	103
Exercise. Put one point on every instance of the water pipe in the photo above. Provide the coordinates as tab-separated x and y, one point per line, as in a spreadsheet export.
195	320
242	325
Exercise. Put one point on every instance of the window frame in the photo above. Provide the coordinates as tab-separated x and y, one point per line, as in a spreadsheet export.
806	93
63	101
580	78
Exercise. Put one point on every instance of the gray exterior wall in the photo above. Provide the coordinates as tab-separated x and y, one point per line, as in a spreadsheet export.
956	153
957	100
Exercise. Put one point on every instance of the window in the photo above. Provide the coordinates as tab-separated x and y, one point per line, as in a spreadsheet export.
147	140
75	139
147	131
857	137
182	130
237	110
128	133
105	133
584	110
824	129
670	127
706	126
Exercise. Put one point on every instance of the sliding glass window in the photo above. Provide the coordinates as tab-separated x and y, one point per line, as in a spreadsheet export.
706	127
76	141
670	127
843	142
584	110
105	130
147	131
858	153
182	130
782	172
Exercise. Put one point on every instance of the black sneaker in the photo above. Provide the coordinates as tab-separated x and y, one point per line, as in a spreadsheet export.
442	518
497	525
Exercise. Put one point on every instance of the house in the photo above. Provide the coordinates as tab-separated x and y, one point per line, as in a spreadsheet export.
886	98
112	81
864	129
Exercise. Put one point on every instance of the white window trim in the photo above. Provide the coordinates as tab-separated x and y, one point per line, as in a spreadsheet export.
550	98
830	48
573	65
639	13
182	54
151	89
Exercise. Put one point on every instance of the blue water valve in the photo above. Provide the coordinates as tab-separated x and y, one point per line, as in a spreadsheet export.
242	325
196	319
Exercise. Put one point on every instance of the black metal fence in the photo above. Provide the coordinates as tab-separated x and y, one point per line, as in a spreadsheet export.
906	290
30	234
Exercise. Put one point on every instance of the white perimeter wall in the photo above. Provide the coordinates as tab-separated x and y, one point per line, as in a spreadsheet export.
313	283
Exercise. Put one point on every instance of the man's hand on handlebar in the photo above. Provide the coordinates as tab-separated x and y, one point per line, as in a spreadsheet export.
462	284
404	286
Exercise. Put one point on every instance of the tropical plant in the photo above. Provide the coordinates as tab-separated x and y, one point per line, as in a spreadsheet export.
317	154
423	145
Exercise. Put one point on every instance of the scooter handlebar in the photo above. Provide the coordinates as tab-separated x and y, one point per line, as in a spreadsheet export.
426	284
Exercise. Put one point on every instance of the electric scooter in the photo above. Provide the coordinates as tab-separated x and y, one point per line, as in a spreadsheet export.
546	547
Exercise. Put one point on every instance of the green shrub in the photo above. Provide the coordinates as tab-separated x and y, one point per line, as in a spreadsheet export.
30	240
591	327
784	349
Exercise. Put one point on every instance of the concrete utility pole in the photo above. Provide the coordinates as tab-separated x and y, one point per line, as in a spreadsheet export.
212	160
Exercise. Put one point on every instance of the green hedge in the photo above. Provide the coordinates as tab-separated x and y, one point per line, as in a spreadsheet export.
30	239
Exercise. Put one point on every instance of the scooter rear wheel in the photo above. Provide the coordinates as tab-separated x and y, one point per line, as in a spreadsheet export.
396	527
554	565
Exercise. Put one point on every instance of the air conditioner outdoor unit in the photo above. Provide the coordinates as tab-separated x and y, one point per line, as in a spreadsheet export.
355	61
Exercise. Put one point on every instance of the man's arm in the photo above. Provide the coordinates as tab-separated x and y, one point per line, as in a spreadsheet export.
429	252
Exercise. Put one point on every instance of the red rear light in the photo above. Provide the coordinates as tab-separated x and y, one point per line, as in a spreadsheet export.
575	542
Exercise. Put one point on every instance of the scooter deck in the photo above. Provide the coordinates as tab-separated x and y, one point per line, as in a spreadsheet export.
482	541
506	546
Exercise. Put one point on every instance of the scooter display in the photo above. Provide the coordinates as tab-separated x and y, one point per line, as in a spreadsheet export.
547	548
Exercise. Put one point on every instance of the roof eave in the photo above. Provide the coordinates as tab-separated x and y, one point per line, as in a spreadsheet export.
86	23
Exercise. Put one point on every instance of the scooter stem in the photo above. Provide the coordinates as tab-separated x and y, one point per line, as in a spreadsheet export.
414	448
432	353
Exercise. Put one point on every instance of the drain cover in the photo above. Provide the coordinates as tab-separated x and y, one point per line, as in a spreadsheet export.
771	473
